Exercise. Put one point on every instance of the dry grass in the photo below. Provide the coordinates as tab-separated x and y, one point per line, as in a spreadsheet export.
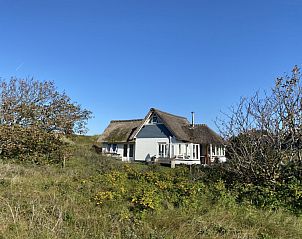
51	202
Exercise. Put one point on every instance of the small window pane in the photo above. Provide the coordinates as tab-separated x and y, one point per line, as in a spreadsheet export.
125	150
153	119
131	150
194	152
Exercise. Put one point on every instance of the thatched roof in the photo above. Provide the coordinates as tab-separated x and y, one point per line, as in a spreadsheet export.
180	127
202	134
119	130
174	123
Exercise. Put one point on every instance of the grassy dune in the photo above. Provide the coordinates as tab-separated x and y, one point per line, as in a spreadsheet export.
98	197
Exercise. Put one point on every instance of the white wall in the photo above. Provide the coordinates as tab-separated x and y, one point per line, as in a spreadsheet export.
119	150
147	147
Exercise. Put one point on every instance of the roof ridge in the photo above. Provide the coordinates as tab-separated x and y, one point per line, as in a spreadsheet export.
131	120
201	124
169	113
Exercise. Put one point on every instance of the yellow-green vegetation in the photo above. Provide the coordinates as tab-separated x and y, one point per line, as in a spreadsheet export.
98	197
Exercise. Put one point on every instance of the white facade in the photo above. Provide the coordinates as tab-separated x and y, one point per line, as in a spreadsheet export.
182	153
154	141
125	151
146	148
114	149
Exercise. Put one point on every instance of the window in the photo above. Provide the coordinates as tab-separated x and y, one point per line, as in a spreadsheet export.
131	150
222	150
162	150
179	149
187	149
172	151
108	147
125	153
194	151
154	119
114	148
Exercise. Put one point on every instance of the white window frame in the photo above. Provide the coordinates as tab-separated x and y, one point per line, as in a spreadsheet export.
196	151
162	150
152	121
116	148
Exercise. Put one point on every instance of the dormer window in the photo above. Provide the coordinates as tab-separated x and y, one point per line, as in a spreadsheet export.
154	119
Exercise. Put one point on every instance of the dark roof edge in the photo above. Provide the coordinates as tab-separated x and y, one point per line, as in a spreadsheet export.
153	109
167	123
131	120
132	137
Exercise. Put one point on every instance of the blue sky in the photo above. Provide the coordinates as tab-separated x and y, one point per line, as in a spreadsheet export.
120	58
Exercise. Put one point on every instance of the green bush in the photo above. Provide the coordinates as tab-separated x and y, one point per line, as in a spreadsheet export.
286	192
31	144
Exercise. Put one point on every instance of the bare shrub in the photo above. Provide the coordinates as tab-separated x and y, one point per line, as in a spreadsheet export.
265	132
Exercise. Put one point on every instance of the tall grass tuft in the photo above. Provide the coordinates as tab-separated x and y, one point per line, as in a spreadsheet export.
99	197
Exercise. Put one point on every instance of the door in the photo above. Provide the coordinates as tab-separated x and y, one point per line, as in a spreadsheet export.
162	150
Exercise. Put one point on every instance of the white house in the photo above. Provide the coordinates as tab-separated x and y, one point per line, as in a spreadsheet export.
162	137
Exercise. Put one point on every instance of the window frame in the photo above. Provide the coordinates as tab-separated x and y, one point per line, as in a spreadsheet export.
131	150
162	149
125	150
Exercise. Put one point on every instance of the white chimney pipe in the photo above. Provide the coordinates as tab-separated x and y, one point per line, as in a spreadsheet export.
193	121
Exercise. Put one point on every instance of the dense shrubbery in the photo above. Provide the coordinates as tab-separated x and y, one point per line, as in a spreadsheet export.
150	189
286	192
33	118
153	190
31	144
